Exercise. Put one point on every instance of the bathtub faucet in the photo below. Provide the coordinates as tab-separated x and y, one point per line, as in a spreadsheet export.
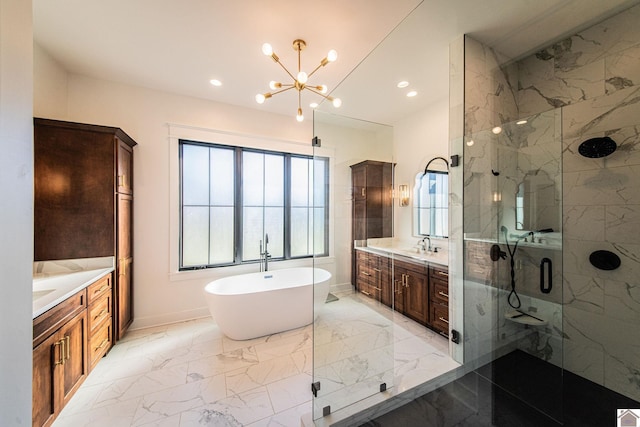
264	256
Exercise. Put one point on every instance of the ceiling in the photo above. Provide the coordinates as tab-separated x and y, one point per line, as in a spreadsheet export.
178	46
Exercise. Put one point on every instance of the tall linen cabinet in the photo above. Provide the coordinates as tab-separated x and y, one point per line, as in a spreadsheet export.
83	201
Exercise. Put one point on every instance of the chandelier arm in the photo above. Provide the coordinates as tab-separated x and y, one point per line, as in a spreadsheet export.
317	68
282	90
328	98
285	69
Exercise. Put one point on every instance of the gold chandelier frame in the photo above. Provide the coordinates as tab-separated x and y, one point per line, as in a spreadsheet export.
300	80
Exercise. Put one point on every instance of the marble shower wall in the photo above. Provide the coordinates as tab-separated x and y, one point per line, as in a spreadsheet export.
595	77
592	79
495	163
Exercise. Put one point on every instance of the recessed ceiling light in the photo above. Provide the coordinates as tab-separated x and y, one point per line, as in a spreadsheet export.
521	122
403	84
412	94
215	82
313	105
496	130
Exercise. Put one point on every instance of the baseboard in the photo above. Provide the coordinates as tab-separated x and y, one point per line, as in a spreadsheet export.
340	287
168	318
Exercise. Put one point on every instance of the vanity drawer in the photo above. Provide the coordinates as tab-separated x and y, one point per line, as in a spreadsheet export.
99	288
48	322
99	311
440	292
440	318
100	343
439	273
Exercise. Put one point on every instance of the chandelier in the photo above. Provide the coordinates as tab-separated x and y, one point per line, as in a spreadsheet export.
300	81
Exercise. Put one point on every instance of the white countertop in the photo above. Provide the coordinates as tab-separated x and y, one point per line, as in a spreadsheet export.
50	290
441	257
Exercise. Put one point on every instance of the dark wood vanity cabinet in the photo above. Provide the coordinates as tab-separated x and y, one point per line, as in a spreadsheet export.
372	204
372	185
417	290
83	201
60	363
439	299
373	276
412	290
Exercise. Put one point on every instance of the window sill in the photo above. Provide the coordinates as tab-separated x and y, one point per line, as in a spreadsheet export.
220	272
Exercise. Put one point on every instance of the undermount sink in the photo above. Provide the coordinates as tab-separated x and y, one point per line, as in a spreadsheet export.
41	293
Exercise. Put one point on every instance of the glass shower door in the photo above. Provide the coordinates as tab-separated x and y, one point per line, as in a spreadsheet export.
513	259
353	331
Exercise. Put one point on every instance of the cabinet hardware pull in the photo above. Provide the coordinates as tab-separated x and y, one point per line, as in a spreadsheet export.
377	289
442	273
363	192
444	320
366	293
122	180
102	289
364	273
377	270
443	334
443	294
102	313
67	347
60	361
102	344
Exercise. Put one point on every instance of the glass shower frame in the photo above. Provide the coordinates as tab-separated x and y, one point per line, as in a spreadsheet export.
512	230
353	355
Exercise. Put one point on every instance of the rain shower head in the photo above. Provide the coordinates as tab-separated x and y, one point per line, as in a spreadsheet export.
596	148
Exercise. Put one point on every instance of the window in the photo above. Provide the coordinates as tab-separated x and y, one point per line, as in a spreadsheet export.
230	197
431	194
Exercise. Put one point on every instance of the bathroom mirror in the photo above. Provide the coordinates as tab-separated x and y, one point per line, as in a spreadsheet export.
430	200
536	202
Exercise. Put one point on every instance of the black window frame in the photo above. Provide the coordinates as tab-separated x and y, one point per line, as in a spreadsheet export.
238	204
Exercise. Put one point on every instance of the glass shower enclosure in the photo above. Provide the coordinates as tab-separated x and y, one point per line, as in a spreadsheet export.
353	356
512	229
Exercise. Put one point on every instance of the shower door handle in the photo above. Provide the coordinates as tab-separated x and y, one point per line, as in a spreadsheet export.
545	287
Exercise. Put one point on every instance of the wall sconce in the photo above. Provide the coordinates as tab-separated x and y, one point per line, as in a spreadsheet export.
404	194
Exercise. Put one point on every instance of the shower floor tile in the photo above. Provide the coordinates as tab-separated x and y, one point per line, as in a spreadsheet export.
189	373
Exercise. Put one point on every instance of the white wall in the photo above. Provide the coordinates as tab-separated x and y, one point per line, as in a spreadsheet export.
417	139
16	214
49	85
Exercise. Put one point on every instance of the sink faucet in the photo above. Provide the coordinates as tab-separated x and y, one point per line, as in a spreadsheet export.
423	244
264	256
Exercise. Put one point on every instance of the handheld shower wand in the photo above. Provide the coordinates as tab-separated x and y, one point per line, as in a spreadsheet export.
513	294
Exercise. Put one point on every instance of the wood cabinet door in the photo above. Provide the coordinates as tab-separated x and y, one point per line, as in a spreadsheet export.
359	182
125	168
45	358
359	223
417	297
123	296
398	288
75	367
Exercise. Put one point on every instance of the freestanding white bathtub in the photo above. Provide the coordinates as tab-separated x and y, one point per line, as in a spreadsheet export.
256	304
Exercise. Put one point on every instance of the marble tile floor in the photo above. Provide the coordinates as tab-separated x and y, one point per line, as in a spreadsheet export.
189	373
